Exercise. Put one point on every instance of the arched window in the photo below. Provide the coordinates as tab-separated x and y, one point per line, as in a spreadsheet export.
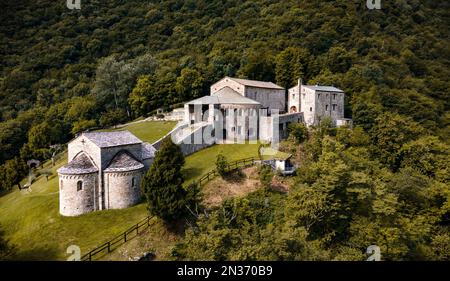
79	185
133	182
61	184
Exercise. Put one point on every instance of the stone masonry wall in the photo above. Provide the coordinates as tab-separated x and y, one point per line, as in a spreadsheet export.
73	202
120	192
230	83
270	98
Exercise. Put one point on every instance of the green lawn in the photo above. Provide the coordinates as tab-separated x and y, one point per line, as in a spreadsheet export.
204	160
31	219
32	222
149	131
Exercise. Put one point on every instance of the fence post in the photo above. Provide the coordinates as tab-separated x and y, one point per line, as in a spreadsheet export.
125	236
90	256
109	246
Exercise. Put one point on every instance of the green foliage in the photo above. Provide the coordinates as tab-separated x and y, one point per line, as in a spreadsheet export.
113	117
390	133
59	80
11	173
298	131
291	65
115	79
221	165
338	60
257	63
429	156
344	199
184	47
189	84
83	125
142	99
265	176
326	127
162	184
352	137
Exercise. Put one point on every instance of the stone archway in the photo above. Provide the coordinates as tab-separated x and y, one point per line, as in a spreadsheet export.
293	109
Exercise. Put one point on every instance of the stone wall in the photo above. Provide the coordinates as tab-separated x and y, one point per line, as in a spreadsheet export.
120	191
230	83
270	98
194	141
317	105
308	105
74	202
329	104
269	126
265	131
84	144
285	120
294	100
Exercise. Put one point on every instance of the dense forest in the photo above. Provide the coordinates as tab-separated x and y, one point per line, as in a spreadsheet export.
343	199
64	71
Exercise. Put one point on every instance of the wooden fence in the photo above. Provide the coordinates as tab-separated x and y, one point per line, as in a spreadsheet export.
246	162
114	243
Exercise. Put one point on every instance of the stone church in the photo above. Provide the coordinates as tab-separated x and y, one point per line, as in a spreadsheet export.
104	172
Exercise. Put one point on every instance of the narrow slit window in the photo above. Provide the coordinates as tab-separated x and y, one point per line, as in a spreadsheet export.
79	185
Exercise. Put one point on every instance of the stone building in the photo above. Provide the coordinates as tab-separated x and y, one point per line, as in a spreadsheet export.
104	172
317	102
241	109
268	94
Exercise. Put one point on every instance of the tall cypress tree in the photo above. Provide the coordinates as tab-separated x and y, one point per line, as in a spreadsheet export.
162	185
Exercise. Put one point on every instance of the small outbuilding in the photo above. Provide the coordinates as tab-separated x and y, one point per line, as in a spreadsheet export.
278	160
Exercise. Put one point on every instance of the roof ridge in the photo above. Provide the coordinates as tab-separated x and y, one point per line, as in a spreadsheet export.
80	164
112	138
244	80
123	166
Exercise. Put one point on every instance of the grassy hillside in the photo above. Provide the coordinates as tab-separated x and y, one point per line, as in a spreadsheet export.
149	131
31	220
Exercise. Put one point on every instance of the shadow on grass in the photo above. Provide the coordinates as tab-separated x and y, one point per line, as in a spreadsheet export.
37	254
6	192
236	176
192	173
